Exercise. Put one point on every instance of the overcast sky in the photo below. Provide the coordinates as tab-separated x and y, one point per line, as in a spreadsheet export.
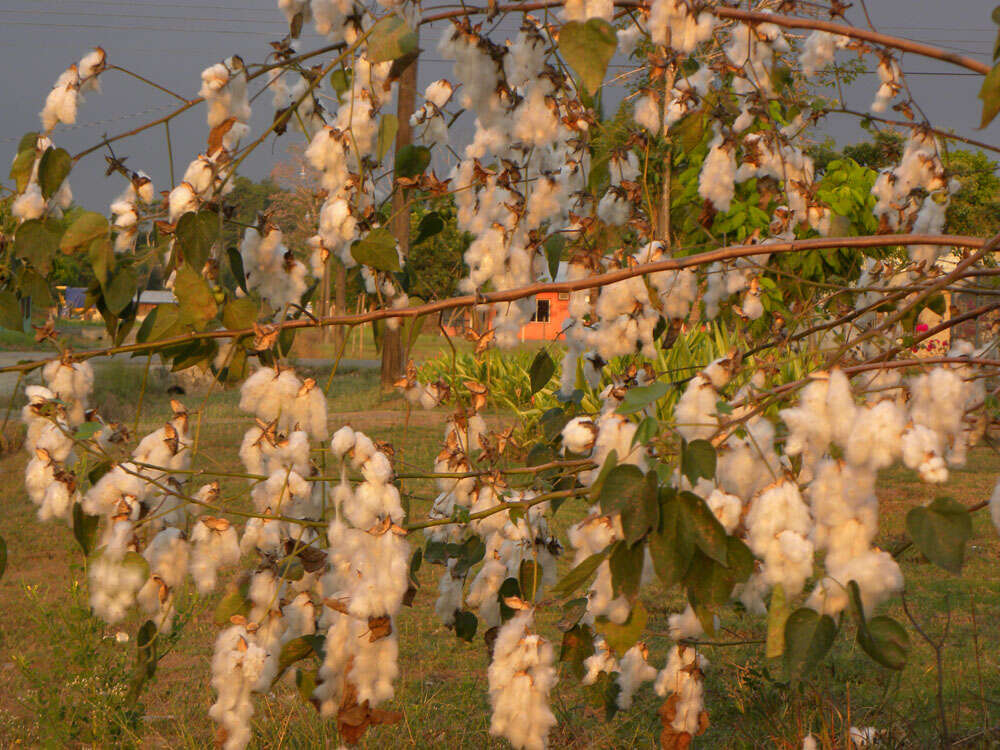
171	42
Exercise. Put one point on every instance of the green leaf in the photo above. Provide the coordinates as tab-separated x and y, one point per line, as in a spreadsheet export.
672	546
101	255
626	568
20	170
387	129
709	534
28	142
196	301
412	160
777	615
87	430
377	249
236	266
53	169
31	284
3	556
84	529
389	39
530	578
578	577
340	80
120	291
990	95
466	624
10	312
305	683
698	460
553	253
239	313
162	322
620	638
468	554
541	371
145	650
882	638
647	430
637	399
196	233
610	462
415	562
808	638
429	226
940	530
37	241
588	48
623	487
88	226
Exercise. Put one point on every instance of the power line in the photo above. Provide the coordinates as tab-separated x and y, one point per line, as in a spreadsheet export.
277	20
135	28
156	6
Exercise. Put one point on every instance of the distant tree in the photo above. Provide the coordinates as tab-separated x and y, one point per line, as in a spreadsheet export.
977	202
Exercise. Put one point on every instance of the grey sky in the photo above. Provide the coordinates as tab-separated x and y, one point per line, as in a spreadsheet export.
171	42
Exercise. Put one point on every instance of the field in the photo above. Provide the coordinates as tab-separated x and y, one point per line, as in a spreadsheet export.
64	675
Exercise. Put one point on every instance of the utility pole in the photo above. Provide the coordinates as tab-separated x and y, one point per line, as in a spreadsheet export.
406	99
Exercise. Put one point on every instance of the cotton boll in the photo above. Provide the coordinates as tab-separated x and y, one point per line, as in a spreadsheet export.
716	181
695	415
342	442
521	675
114	585
634	670
646	113
683	676
30	204
727	508
874	439
685	625
579	434
62	101
214	544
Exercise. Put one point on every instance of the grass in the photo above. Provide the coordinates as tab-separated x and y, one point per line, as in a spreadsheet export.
64	675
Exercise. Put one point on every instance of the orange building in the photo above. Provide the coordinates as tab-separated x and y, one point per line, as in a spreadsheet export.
546	324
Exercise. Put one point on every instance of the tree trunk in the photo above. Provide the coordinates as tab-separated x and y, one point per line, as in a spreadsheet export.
406	97
339	301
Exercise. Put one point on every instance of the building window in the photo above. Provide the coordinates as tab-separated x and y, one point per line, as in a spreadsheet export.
564	295
541	311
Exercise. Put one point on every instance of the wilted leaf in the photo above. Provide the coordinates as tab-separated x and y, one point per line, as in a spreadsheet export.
387	129
390	38
577	645
588	48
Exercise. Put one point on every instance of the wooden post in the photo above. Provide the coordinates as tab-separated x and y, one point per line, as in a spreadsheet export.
406	98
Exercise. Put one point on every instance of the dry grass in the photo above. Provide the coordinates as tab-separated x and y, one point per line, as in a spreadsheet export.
63	676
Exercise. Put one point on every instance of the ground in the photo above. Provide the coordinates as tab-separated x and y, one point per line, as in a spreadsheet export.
64	675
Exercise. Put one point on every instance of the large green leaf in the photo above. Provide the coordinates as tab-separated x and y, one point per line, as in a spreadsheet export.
940	530
588	48
36	241
120	290
196	232
84	529
626	568
429	226
412	160
53	169
101	255
20	170
239	313
377	249
637	399
808	638
698	460
10	312
580	575
553	253
671	547
709	534
541	371
88	226
390	38
882	638
530	578
197	303
622	637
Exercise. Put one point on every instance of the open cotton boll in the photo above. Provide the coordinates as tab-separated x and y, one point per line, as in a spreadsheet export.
113	585
238	663
62	101
695	415
874	439
727	508
633	671
878	577
167	556
30	204
600	662
685	625
922	451
214	544
521	675
181	200
683	676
